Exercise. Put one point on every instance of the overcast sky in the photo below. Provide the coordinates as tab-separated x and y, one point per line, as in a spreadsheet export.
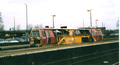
68	12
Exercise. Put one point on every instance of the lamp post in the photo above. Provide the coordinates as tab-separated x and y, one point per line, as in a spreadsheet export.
83	23
14	24
104	27
90	22
26	24
96	22
96	28
53	19
104	23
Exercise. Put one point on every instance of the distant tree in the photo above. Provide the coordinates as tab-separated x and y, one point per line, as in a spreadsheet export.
30	26
1	27
12	28
1	23
117	24
41	26
38	26
18	27
108	32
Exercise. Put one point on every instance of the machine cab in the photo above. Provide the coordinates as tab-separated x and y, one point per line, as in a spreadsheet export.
39	37
97	34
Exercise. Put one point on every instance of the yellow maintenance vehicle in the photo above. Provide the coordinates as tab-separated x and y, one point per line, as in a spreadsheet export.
49	36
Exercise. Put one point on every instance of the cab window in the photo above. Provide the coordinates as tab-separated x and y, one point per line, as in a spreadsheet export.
48	33
96	33
93	33
35	33
82	32
100	32
43	33
87	32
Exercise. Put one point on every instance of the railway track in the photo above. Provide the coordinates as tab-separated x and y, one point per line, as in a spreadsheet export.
105	53
89	59
11	46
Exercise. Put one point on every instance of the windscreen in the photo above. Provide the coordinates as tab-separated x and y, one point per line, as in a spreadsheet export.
1	39
35	33
84	32
48	33
100	32
93	32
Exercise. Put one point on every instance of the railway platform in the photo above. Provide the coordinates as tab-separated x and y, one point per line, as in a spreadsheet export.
26	51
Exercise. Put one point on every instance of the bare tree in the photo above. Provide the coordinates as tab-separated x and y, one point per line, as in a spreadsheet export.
1	27
1	23
1	18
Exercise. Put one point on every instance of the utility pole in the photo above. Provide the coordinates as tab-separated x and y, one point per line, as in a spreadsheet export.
26	24
83	23
96	28
90	22
14	25
53	19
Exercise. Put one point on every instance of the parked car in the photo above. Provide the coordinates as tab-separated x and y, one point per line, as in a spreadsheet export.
2	40
20	39
7	41
112	35
14	41
24	37
11	40
116	34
